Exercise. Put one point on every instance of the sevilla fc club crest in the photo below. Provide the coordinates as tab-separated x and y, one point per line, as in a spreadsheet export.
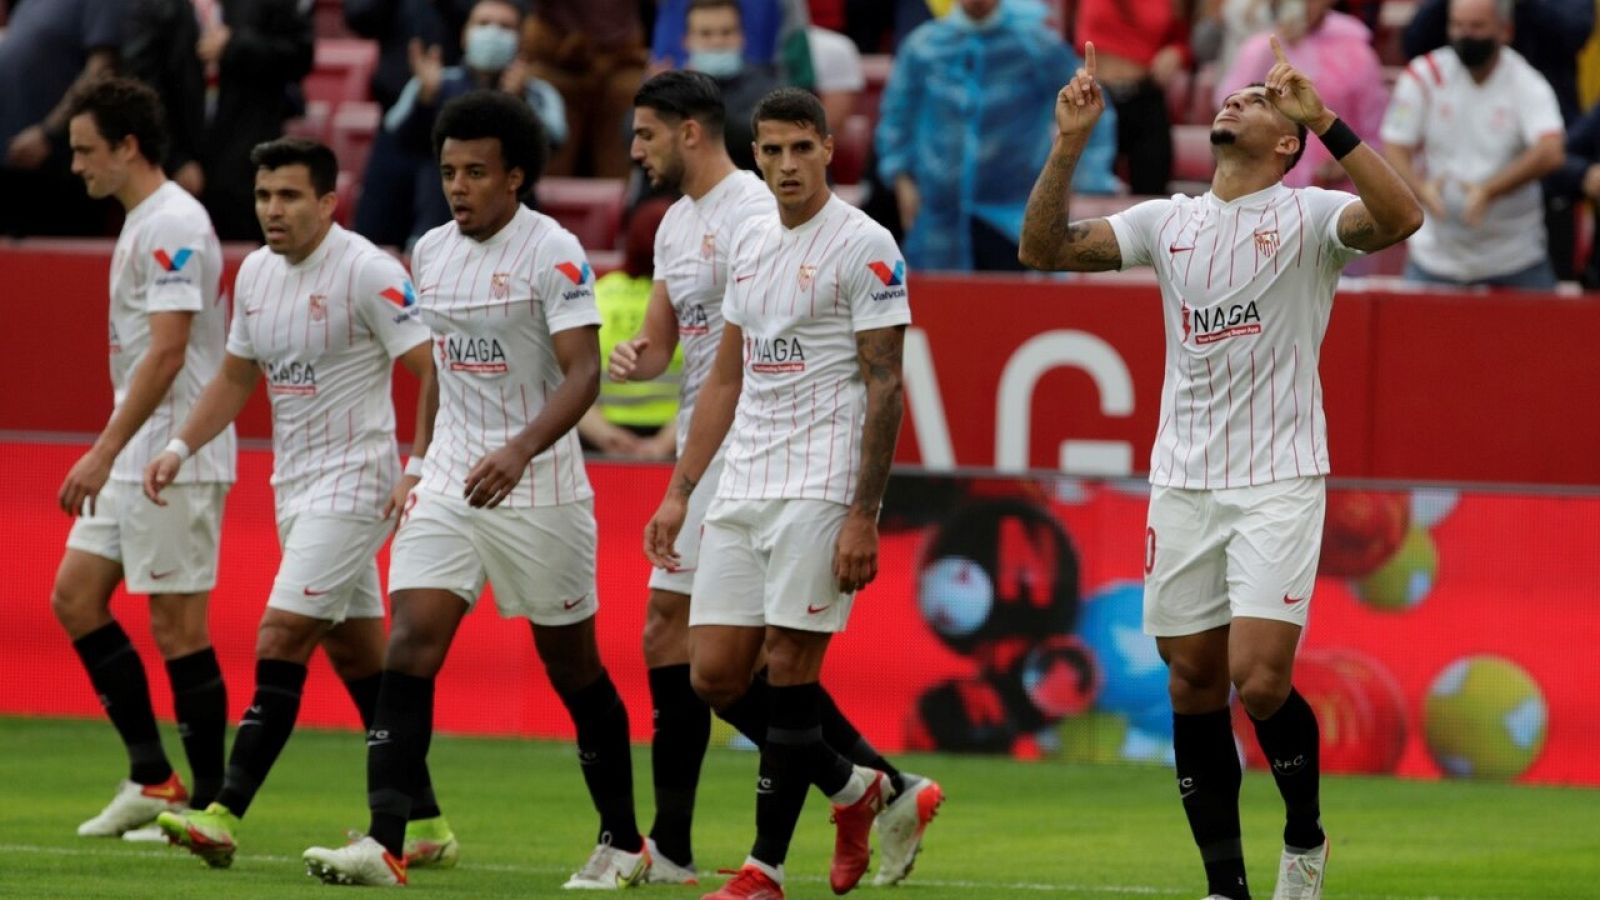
319	307
1267	242
708	246
808	274
500	286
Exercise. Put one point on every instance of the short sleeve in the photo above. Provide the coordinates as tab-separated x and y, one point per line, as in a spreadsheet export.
1402	121
1323	209
1135	229
875	283
386	303
239	342
175	269
564	282
1538	110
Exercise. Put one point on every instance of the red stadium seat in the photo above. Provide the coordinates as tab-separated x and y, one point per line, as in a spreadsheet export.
590	208
349	194
851	145
341	72
327	20
350	134
1202	106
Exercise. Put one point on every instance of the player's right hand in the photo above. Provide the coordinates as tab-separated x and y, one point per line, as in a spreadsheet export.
160	473
625	358
661	535
1080	103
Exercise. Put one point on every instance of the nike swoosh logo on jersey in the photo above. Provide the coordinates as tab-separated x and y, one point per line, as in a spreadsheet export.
251	310
310	593
739	278
157	576
1174	248
1290	601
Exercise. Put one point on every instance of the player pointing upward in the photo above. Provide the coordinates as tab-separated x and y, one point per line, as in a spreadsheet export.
1247	274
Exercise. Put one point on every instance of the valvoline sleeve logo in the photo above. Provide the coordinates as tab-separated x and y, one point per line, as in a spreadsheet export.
577	273
891	277
173	262
401	296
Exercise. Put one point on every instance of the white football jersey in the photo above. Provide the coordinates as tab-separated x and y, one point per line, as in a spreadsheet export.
325	333
800	296
1246	289
492	306
167	259
691	258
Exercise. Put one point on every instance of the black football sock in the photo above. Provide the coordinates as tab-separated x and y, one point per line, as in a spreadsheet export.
263	731
794	758
397	744
1289	739
752	712
840	734
118	677
1208	783
201	703
364	693
606	759
677	748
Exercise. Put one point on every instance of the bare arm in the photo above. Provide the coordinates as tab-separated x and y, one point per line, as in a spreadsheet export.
713	416
647	354
578	353
150	381
220	403
1050	239
878	352
419	362
1544	157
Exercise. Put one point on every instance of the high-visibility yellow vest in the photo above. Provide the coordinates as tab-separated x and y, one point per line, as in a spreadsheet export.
639	404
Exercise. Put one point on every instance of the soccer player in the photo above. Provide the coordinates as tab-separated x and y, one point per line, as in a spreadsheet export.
807	374
504	497
678	140
1247	275
323	314
167	333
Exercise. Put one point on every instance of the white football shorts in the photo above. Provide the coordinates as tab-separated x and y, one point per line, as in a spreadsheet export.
1213	556
770	562
168	549
681	579
330	568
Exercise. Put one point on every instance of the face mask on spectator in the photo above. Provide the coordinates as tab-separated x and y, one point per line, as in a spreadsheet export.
717	63
490	48
1474	51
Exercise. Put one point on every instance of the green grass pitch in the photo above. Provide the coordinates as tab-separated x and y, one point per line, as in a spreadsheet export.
1008	829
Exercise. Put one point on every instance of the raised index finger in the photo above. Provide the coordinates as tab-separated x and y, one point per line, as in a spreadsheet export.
1277	49
1088	57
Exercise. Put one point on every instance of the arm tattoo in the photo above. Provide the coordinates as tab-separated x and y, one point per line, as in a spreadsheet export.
1090	250
879	353
1050	239
684	485
1358	230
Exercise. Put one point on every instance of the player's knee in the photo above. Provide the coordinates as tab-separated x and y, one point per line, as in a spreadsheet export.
1263	692
278	640
718	688
665	639
78	615
1195	688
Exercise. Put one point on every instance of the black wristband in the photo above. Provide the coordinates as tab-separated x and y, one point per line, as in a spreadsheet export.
1339	139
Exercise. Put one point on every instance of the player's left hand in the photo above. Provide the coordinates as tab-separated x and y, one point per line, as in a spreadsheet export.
1475	202
495	476
855	562
661	534
84	482
1292	92
397	500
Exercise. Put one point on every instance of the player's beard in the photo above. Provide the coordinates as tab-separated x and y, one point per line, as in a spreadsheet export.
671	178
1222	136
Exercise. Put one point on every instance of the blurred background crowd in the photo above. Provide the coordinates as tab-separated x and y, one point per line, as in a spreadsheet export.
941	113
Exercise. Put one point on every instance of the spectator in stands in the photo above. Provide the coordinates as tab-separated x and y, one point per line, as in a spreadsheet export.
966	123
1547	33
774	38
50	47
715	38
1579	179
1223	26
1335	51
1141	48
158	49
394	24
840	78
594	53
1485	126
488	60
634	419
254	52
